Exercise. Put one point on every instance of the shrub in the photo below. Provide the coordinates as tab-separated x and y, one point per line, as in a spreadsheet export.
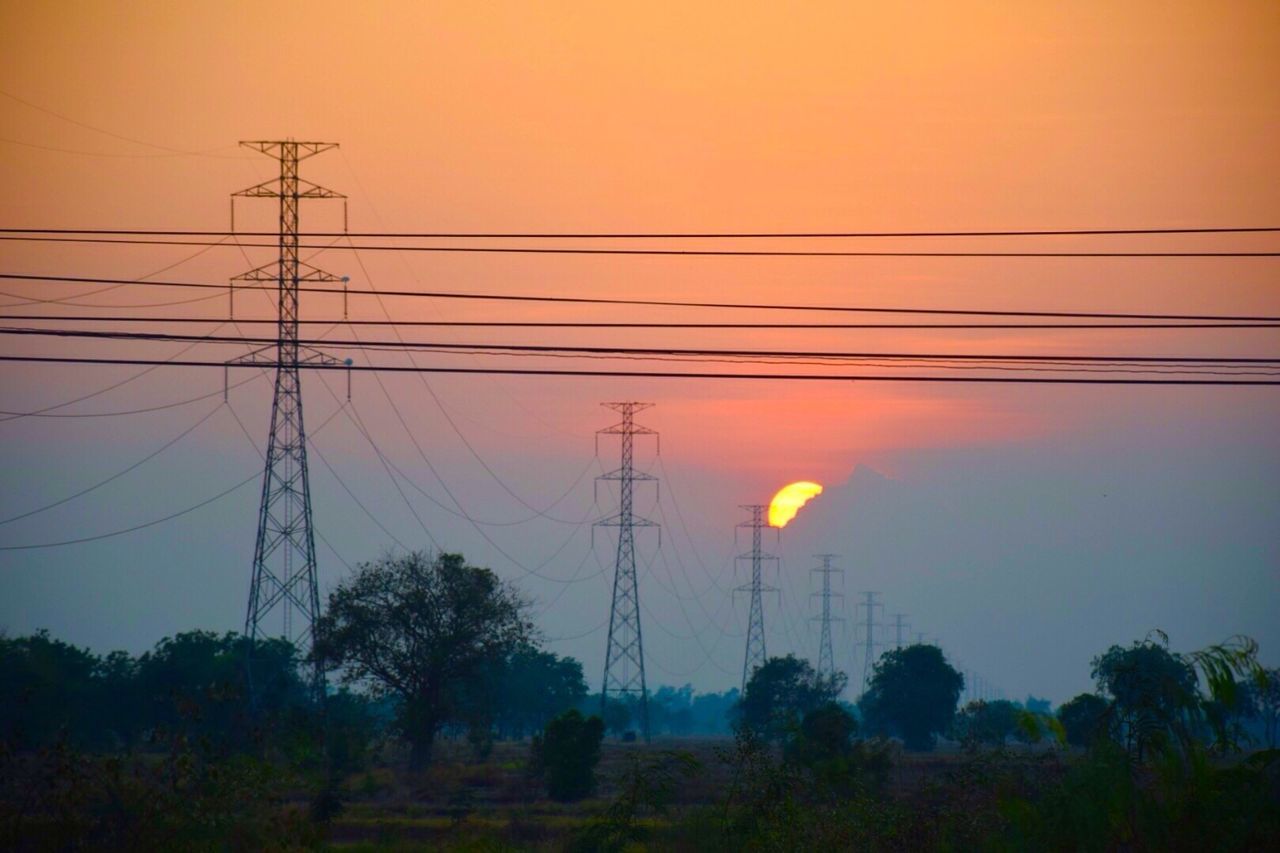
567	754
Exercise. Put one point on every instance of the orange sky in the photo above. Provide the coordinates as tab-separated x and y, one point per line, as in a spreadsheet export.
689	116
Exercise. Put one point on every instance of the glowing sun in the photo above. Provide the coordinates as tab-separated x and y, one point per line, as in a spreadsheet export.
787	502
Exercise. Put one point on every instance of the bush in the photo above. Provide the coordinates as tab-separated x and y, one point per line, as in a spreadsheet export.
567	754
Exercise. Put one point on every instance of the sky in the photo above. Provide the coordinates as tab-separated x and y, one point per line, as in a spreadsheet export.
1024	528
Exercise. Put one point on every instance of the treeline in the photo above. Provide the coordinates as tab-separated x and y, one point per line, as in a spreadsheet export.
418	644
1165	763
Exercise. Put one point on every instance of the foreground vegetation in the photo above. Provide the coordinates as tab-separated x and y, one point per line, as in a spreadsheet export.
454	730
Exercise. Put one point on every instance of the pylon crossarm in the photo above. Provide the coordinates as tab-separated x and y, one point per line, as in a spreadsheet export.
315	356
301	150
270	272
619	474
266	189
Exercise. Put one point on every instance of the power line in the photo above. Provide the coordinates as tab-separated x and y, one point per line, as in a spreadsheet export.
153	522
124	412
660	303
144	460
543	250
170	151
522	324
662	235
654	374
537	349
136	527
444	411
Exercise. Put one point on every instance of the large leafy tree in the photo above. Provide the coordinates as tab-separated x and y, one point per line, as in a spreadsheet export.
413	627
518	694
1152	690
48	688
781	691
195	681
913	694
537	685
1083	719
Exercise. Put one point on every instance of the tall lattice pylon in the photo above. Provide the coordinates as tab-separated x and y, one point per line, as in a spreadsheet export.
900	626
756	652
284	553
624	652
826	659
870	644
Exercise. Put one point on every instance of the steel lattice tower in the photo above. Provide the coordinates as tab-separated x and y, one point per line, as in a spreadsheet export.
755	654
826	659
899	626
624	653
284	553
869	660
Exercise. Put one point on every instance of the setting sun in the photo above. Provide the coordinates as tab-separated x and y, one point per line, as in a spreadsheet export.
787	502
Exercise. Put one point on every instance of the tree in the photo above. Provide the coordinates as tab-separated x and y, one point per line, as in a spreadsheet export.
781	691
1083	718
48	688
415	626
534	687
1266	701
913	694
195	681
986	722
1151	690
617	716
567	755
825	744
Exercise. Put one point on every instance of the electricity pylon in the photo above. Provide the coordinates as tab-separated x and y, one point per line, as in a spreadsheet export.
624	653
755	654
826	659
870	644
284	553
899	627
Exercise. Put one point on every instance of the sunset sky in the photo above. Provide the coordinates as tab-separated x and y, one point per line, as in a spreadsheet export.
1025	528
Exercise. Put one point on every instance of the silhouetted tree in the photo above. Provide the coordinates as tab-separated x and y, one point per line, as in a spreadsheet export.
826	745
913	694
1151	689
195	682
1264	701
986	722
49	690
535	686
781	691
413	627
1083	718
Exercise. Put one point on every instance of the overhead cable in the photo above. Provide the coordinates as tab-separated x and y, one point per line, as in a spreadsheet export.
654	374
565	250
658	303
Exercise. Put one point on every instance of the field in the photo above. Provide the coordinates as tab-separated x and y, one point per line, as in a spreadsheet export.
459	802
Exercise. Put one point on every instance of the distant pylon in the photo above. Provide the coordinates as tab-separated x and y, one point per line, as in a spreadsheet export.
870	644
899	628
755	654
624	652
284	552
826	659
